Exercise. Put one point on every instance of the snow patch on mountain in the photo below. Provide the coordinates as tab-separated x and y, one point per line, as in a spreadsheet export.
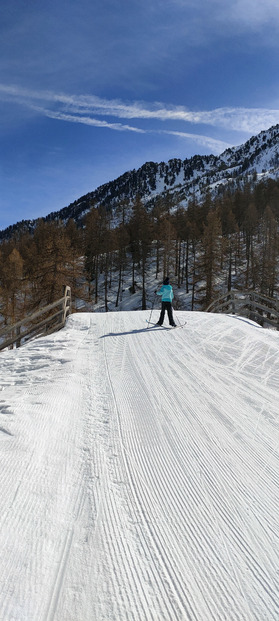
180	180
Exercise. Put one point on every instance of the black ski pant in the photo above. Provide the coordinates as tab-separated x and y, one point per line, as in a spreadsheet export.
166	306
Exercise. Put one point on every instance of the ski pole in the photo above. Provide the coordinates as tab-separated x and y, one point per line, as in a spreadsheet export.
152	306
177	321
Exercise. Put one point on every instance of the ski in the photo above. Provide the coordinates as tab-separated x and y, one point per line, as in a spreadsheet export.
151	323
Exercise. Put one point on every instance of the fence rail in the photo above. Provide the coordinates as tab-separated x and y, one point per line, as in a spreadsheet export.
43	321
250	304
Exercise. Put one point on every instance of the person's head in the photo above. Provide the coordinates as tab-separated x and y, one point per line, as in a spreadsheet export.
166	281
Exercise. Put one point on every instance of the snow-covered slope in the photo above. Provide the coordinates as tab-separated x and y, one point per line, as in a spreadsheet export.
181	180
139	472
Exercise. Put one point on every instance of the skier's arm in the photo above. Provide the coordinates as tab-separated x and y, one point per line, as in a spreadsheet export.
160	292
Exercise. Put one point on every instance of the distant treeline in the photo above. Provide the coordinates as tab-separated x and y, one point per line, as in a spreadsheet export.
231	241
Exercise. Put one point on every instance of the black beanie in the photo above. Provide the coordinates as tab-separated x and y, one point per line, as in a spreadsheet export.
166	281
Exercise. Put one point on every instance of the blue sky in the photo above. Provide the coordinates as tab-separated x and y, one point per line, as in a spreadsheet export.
92	88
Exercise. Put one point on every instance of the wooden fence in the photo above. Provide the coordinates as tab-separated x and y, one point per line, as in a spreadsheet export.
43	321
255	306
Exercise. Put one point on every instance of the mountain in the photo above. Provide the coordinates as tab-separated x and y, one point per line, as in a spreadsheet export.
183	180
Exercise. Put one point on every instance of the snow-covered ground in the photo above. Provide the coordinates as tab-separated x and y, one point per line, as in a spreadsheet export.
139	472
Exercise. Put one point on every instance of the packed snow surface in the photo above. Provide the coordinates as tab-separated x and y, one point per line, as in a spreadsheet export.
139	472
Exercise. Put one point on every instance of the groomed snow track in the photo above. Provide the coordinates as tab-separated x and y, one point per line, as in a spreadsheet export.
139	472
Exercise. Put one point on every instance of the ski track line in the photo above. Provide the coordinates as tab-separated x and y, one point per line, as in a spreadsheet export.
84	600
231	422
63	562
161	615
162	611
77	505
177	496
156	467
194	531
108	526
275	496
220	494
164	545
126	572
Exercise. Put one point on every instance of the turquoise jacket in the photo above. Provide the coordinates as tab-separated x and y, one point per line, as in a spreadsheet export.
166	292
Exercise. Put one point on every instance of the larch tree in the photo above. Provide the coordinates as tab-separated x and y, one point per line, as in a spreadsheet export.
11	279
212	252
140	243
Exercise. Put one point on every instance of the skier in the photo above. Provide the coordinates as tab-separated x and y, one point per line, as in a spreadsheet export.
167	296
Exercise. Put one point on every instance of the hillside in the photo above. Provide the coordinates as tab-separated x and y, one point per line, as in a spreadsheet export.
182	180
139	472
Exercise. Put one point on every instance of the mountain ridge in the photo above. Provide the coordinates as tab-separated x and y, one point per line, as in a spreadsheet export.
183	180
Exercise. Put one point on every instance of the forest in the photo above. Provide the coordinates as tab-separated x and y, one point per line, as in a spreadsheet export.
230	242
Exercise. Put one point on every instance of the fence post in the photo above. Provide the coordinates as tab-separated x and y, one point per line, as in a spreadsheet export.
66	294
232	296
18	337
22	330
63	305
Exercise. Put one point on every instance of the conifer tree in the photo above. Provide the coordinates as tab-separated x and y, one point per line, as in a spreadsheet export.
212	246
98	250
141	238
268	255
93	249
181	226
52	249
75	266
121	242
11	278
249	228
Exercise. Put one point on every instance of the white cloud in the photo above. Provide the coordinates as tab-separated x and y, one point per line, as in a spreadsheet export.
206	22
251	13
247	14
85	120
216	146
85	108
241	119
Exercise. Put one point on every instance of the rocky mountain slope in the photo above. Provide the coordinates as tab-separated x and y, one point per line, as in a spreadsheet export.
256	159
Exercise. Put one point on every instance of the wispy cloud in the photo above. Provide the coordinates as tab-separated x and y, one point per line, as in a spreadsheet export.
85	108
250	13
216	146
86	120
199	27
